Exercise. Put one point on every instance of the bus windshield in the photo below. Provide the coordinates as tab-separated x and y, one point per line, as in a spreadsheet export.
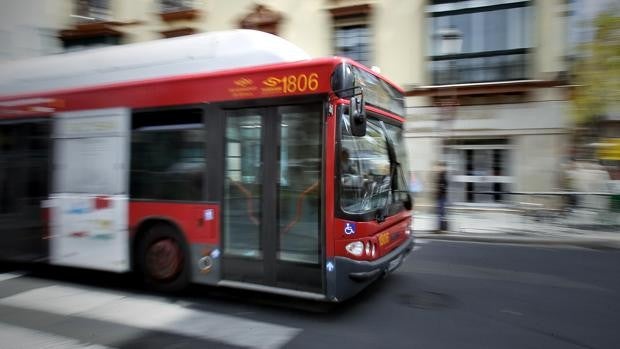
369	181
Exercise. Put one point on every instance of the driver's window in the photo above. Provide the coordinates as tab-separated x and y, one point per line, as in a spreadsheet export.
365	180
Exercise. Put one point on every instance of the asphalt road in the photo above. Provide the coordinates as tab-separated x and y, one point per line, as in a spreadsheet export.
446	295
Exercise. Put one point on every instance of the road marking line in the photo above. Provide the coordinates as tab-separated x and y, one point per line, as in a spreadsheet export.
153	314
9	276
24	338
511	312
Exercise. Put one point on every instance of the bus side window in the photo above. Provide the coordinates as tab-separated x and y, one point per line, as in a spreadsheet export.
24	160
168	155
7	151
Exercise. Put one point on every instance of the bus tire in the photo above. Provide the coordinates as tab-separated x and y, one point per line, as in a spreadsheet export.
163	259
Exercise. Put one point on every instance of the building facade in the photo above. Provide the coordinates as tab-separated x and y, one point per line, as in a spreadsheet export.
495	111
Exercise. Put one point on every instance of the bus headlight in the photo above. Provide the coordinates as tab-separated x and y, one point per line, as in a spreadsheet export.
355	248
368	248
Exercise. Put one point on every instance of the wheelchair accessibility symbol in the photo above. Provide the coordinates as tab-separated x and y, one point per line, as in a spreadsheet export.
349	228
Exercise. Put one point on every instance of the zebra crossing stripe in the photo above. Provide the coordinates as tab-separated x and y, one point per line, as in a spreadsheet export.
9	276
24	338
153	314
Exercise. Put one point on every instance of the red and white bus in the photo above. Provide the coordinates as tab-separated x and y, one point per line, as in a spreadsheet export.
228	158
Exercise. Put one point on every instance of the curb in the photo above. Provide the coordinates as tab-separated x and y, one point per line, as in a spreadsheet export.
594	243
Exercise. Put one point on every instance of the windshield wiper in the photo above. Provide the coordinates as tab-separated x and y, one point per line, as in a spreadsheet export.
383	212
395	167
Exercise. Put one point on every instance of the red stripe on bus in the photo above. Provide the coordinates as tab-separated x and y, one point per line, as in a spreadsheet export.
193	219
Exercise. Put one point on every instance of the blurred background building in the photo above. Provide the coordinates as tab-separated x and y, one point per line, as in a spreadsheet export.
487	81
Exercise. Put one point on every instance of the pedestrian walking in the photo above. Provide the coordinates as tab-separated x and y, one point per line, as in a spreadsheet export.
442	198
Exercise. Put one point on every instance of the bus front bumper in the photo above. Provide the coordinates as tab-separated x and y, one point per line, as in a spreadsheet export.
353	276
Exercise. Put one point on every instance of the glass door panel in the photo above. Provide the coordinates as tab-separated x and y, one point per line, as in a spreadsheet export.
243	186
299	185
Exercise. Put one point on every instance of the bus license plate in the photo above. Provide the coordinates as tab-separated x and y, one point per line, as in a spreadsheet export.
384	238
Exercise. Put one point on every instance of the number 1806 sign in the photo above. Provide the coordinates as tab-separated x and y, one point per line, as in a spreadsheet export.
293	83
246	87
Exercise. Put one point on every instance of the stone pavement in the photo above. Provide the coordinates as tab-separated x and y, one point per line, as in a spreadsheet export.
579	228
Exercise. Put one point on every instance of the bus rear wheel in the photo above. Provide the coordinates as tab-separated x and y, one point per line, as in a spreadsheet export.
163	259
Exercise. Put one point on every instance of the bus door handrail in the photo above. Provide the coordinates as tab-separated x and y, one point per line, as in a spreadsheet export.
299	207
248	199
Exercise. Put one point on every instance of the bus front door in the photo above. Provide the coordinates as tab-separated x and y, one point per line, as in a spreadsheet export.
272	221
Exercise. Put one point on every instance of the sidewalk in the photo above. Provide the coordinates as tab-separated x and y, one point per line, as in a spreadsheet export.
580	228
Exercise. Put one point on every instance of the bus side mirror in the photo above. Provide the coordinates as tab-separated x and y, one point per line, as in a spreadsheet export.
357	116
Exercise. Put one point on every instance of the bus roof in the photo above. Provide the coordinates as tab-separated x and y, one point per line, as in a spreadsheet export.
197	53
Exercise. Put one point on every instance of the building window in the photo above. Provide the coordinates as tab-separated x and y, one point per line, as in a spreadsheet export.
353	42
175	5
89	10
480	171
177	10
262	18
83	43
351	32
495	41
93	27
173	33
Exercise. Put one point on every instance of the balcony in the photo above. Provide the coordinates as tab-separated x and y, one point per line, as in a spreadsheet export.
489	66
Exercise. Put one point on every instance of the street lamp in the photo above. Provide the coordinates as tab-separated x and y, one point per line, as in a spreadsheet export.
451	42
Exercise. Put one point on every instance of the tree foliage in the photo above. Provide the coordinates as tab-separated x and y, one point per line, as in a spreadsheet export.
597	71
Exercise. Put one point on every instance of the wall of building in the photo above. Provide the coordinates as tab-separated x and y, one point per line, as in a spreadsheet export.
400	40
394	24
28	28
538	161
536	134
535	125
549	38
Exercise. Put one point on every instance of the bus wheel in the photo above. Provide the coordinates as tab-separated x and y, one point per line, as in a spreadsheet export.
163	259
